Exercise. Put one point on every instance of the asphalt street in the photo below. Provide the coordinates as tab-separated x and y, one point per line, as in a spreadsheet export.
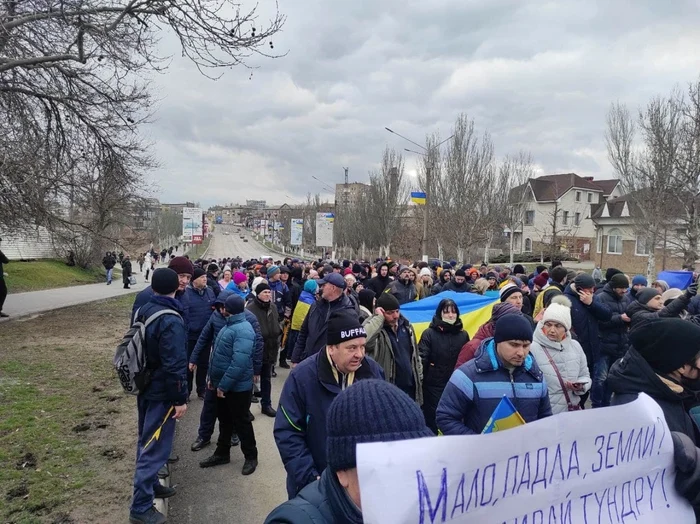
222	494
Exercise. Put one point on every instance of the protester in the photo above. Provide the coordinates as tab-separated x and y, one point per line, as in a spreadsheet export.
481	286
239	285
367	300
300	424
660	285
391	341
306	299
371	411
380	282
126	271
164	400
184	269
556	285
200	299
226	279
266	313
212	278
424	283
649	305
109	261
503	367
439	347
458	284
402	288
561	359
443	278
3	284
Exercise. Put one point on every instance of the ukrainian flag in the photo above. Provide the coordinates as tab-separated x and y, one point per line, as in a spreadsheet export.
418	197
505	416
474	310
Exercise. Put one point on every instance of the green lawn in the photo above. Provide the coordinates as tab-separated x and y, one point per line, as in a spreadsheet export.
48	274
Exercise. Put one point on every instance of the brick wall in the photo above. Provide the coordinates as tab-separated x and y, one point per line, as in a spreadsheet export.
631	263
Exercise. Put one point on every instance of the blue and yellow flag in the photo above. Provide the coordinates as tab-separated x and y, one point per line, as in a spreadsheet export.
418	197
474	310
505	416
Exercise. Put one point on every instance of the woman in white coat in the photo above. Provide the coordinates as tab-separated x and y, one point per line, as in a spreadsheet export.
560	358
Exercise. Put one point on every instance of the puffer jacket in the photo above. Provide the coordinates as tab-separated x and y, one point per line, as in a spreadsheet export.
201	302
378	346
404	293
613	333
640	313
571	363
477	387
438	348
231	361
266	313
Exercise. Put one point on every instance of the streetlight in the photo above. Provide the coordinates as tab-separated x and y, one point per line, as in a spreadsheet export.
428	174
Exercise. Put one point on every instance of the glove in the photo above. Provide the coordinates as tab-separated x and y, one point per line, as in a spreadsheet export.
692	290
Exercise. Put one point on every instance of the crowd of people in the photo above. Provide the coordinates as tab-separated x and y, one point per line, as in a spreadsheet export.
557	340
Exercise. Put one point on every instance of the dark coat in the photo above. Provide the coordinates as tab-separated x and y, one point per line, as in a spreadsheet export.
231	362
281	297
269	327
201	305
213	284
313	333
300	424
108	262
687	460
453	286
477	387
584	322
324	501
404	293
145	295
613	333
126	270
378	284
640	313
439	347
166	352
632	375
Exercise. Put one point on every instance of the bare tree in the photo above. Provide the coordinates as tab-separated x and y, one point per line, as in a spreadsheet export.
513	174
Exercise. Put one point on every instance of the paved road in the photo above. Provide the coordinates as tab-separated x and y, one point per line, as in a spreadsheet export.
222	494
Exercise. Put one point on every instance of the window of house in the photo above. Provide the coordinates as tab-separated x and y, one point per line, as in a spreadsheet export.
577	219
642	246
565	218
578	196
529	217
590	197
615	242
528	245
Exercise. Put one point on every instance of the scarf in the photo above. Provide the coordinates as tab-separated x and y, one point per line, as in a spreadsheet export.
343	380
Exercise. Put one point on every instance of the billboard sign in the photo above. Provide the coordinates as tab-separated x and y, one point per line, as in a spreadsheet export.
192	225
324	229
297	231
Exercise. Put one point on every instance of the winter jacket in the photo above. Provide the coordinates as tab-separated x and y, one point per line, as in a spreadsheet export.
324	501
364	314
108	262
270	328
143	297
453	286
211	330
4	260
613	334
306	300
693	306
300	424
201	303
404	293
313	332
469	349
571	363
632	375
166	351
584	322
281	297
243	293
231	361
440	284
438	348
126	270
686	457
378	284
213	284
477	387
379	347
640	313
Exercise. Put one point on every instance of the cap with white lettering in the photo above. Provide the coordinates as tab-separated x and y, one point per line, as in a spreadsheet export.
344	325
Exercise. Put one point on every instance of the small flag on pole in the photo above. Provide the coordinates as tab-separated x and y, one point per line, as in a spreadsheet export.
505	416
418	197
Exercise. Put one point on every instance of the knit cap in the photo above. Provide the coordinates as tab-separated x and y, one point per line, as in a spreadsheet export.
512	327
371	410
662	284
646	294
272	271
640	280
388	302
425	272
558	313
666	343
460	273
584	281
344	325
619	281
234	304
347	271
508	290
611	271
164	281
239	278
256	282
310	286
502	309
541	280
198	272
263	286
212	268
356	268
181	266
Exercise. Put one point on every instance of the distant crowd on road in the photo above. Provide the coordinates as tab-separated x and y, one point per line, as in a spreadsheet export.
147	263
555	338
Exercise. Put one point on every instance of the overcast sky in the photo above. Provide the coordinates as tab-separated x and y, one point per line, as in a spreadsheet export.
538	75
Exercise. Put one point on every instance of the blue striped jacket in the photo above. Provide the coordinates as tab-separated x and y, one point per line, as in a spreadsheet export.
476	387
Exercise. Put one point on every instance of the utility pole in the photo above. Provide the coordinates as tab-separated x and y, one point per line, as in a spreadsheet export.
424	242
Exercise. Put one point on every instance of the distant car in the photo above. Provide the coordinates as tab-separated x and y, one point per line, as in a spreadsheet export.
245	240
226	233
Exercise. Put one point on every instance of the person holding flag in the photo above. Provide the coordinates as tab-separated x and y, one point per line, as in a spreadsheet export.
502	367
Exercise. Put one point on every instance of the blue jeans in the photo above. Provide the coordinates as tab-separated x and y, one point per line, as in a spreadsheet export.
109	274
151	453
600	395
207	420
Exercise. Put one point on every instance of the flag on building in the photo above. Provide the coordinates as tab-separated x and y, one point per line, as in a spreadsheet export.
418	197
505	416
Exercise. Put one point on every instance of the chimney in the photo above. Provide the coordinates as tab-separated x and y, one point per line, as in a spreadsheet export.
589	178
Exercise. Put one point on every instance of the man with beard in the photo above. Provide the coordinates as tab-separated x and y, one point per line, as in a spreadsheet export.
403	288
379	283
459	283
444	277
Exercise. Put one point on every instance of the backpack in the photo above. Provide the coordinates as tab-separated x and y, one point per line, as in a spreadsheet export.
130	360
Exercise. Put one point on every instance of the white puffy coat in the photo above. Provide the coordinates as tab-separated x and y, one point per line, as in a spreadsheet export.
571	362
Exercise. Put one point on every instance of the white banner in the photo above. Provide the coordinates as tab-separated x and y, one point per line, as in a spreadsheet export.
608	465
324	229
297	231
191	224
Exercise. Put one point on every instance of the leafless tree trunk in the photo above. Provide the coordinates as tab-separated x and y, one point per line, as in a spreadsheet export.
514	173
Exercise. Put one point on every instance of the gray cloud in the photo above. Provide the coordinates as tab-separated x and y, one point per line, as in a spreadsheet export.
537	75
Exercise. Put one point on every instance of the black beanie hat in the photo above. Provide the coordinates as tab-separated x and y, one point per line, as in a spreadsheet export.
164	281
356	268
610	273
371	410
263	286
198	272
344	325
460	273
558	274
388	302
519	269
234	304
619	281
584	281
666	343
644	295
512	327
212	268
